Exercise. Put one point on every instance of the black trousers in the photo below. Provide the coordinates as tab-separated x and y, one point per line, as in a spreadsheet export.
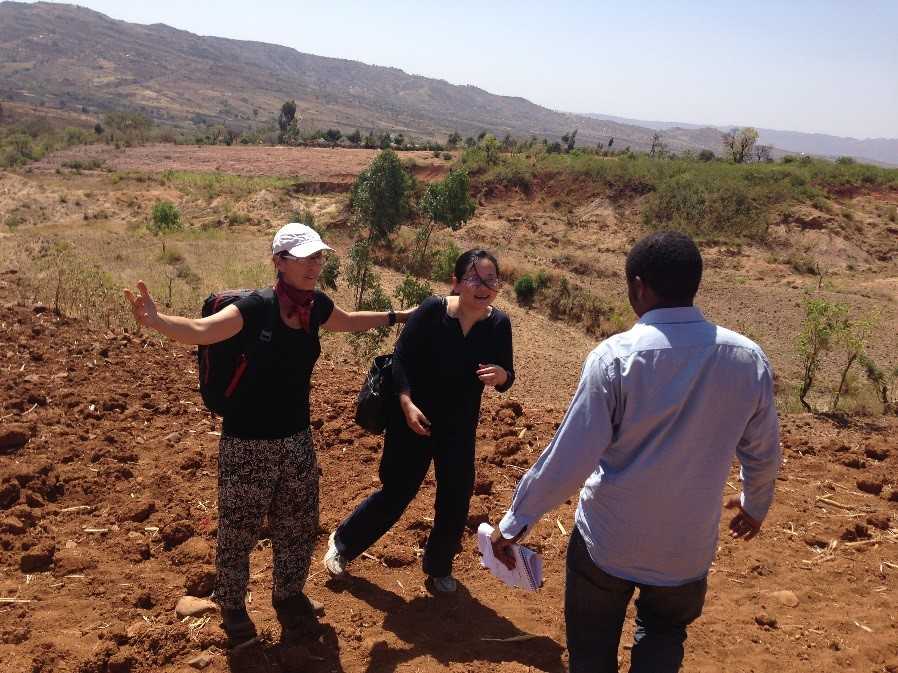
595	605
403	466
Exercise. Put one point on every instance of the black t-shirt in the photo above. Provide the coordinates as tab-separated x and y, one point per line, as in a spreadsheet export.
276	388
438	364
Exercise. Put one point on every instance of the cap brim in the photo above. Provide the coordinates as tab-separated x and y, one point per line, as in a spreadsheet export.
307	249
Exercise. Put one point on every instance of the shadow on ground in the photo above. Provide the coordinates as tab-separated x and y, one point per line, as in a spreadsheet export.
449	628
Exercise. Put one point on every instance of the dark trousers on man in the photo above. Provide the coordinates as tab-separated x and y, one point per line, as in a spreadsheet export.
595	605
403	466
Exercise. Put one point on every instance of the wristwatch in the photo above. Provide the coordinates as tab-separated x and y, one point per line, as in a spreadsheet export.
391	317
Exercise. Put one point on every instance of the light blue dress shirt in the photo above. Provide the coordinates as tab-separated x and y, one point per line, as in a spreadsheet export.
649	438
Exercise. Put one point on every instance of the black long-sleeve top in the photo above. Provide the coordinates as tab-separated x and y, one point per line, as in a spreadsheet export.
437	364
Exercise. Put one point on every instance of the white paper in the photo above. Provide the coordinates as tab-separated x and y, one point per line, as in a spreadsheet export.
528	571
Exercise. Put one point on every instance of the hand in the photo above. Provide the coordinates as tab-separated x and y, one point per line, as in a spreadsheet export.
492	375
742	525
415	419
503	548
143	307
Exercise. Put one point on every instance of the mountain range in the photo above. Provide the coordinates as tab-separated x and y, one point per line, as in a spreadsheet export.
880	150
67	56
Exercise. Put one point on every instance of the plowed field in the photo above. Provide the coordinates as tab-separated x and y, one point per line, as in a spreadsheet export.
108	516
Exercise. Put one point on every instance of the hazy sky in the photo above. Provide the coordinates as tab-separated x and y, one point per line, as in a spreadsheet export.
802	65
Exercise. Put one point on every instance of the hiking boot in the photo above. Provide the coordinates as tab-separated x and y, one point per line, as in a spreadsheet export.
334	561
443	585
239	628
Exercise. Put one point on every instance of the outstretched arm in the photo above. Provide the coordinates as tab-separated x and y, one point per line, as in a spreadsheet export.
196	331
361	321
572	455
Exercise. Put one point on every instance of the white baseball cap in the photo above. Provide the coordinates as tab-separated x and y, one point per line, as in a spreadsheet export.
299	240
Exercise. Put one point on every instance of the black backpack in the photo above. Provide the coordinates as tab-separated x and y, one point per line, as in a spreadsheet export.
225	365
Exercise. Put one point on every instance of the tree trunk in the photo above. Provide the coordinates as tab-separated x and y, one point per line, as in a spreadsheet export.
841	387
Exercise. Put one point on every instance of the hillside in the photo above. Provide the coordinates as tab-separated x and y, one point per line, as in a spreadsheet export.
71	57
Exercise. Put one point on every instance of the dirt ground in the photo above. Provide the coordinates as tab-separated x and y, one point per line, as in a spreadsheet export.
109	516
108	459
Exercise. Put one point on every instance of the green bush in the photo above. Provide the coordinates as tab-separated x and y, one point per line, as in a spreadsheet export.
525	290
706	208
165	218
411	292
330	272
83	164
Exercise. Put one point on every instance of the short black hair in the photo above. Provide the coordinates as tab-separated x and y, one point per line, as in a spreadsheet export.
670	263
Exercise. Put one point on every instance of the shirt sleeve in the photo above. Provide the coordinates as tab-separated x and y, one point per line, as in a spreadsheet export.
572	455
759	451
407	347
323	308
505	357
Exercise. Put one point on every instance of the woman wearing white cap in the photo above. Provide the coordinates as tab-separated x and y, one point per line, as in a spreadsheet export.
267	463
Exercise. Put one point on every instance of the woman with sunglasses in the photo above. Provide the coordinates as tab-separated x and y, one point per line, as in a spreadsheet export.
450	349
266	461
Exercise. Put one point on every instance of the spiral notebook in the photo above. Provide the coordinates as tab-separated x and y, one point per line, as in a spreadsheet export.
528	571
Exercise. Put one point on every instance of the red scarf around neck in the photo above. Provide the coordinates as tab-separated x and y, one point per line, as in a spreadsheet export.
296	302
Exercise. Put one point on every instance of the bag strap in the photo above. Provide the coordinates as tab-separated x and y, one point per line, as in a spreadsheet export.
272	313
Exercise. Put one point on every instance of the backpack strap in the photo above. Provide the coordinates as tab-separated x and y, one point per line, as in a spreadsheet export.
271	316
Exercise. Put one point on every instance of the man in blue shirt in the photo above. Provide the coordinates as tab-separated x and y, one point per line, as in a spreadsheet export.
649	437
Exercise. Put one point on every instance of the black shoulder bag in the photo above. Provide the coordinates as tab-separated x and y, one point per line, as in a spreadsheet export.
375	396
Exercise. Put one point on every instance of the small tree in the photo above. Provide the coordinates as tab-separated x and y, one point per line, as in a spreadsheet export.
380	203
453	140
288	123
658	149
706	155
570	140
852	336
823	322
333	136
355	137
446	203
739	143
763	153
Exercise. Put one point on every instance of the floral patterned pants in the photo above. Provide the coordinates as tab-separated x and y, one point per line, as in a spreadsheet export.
277	477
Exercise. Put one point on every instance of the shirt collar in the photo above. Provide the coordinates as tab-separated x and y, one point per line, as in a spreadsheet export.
661	316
